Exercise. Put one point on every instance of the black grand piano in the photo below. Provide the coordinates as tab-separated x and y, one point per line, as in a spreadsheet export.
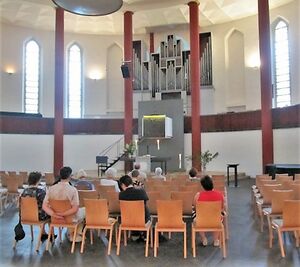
291	169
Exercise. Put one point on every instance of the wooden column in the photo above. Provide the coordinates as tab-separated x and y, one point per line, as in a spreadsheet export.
195	83
59	92
265	82
151	35
128	86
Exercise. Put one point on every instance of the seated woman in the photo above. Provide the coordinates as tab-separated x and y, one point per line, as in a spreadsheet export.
158	174
209	194
34	191
81	181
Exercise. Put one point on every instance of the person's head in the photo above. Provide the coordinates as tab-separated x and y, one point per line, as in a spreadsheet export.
65	173
137	166
207	183
81	174
111	173
34	178
158	171
125	181
135	173
193	172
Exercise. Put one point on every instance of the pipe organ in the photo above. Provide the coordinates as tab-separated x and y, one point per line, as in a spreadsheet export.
169	70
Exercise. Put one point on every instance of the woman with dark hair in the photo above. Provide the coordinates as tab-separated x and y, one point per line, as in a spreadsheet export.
193	173
34	191
209	194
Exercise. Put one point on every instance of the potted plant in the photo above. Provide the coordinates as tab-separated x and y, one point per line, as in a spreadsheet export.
205	157
129	149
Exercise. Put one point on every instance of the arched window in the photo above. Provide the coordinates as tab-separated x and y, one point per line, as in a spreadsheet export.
31	77
282	83
74	82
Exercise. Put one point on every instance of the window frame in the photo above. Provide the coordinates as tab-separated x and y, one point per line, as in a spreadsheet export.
274	72
67	110
25	74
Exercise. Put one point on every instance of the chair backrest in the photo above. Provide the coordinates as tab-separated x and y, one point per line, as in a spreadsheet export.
89	194
29	210
208	214
151	203
12	172
165	191
191	188
96	212
262	178
132	213
268	192
60	206
169	213
297	176
264	184
278	198
19	179
49	178
187	198
113	202
24	176
12	184
296	188
103	189
291	213
4	178
283	178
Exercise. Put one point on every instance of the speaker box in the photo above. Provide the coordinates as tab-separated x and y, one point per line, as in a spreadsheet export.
125	71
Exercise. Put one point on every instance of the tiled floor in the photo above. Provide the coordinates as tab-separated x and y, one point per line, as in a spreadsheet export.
246	246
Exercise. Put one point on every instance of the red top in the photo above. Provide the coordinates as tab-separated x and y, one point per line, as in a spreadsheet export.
211	196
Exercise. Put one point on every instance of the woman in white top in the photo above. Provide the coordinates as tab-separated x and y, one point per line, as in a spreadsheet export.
111	174
158	174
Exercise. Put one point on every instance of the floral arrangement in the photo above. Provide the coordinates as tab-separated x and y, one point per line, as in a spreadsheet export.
207	157
130	148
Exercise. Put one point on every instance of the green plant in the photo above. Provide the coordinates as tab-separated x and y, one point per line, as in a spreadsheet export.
130	148
204	157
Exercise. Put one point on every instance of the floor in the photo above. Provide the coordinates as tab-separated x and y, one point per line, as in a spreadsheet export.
246	246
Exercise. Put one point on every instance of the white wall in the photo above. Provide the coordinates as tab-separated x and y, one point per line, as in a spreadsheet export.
35	152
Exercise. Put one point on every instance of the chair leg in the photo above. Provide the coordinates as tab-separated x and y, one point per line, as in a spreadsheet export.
270	231
83	239
297	238
39	237
119	241
184	243
194	242
151	236
31	232
224	244
59	234
74	237
110	240
155	242
147	242
125	238
91	236
116	234
170	235
262	222
226	226
281	243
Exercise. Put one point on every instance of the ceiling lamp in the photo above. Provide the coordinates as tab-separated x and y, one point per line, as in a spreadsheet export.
90	7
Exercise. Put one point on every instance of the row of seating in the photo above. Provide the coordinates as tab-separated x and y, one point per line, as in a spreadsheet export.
279	201
169	219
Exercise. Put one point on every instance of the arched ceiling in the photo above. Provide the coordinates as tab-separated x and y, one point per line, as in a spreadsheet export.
148	14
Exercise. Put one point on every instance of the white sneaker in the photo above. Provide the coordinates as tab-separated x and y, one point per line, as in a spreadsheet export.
216	243
204	242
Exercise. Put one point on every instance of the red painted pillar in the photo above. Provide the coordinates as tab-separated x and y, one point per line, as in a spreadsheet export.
265	82
128	50
195	83
151	42
59	92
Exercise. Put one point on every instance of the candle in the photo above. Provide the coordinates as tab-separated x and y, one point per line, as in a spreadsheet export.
136	146
179	159
158	147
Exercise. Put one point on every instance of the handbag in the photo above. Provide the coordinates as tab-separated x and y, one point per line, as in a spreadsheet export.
19	231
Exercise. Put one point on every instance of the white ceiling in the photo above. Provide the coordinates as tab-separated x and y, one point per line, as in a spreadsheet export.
148	14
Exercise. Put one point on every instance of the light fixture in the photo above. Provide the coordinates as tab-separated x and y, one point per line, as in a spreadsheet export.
90	7
95	75
254	61
10	70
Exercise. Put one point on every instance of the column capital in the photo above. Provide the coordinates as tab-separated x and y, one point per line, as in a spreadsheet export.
128	12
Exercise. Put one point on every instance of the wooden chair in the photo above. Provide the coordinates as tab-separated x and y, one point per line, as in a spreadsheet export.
61	206
296	189
164	190
190	188
133	219
96	212
187	198
208	219
169	219
103	189
89	194
277	199
24	176
113	203
151	204
49	178
290	222
13	191
30	216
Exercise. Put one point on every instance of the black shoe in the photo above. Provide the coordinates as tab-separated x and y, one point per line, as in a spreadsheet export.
45	237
